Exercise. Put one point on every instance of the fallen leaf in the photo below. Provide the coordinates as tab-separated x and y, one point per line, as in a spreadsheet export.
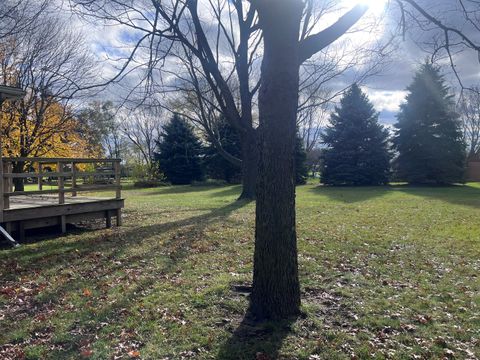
86	352
87	292
134	354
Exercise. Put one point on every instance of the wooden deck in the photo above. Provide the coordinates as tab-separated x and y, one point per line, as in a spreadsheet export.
31	212
35	201
20	211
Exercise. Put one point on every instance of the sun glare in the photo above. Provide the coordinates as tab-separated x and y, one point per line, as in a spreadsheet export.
375	6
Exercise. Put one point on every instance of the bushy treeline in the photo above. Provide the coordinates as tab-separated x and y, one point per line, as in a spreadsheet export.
183	158
425	147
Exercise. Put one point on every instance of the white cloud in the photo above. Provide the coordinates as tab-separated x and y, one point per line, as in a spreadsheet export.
386	100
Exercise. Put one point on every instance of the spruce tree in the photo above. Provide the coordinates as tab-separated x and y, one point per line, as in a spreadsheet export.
301	169
179	152
428	137
216	165
357	145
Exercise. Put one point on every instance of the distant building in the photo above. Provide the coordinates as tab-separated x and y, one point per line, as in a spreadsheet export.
473	168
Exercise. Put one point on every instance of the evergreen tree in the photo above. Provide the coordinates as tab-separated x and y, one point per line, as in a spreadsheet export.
428	136
216	165
357	152
301	169
179	152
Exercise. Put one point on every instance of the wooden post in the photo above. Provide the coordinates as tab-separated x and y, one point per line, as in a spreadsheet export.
40	178
7	184
118	192
61	195
21	231
10	179
74	179
119	217
63	224
61	183
108	219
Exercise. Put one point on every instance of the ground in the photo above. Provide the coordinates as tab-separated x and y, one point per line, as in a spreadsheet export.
386	272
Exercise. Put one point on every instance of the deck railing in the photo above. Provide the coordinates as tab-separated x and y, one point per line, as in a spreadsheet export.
65	175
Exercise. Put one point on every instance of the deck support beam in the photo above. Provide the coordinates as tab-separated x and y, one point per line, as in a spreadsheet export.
21	231
7	236
119	217
108	219
63	224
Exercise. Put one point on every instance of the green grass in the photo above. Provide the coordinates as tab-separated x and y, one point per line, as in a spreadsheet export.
387	272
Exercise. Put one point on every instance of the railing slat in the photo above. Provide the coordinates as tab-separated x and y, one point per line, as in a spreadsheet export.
61	185
112	174
92	188
57	174
74	178
40	177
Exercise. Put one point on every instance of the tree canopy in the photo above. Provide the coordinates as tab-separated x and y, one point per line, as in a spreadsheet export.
217	166
357	152
179	152
428	139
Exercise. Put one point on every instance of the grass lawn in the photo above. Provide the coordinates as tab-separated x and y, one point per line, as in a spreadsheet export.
386	273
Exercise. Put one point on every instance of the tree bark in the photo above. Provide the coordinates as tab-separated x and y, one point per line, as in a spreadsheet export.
249	165
19	183
276	289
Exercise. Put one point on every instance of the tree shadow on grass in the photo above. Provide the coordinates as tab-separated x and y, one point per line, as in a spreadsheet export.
253	340
118	241
466	195
351	194
228	191
455	194
97	258
183	189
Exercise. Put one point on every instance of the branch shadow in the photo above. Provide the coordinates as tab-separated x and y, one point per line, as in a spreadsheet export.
112	247
228	191
183	189
117	245
351	194
466	195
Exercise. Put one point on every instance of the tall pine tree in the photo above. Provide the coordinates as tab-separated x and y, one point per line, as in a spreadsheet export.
179	152
217	166
428	136
357	152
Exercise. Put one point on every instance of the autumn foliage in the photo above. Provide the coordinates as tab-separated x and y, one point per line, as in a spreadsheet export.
53	133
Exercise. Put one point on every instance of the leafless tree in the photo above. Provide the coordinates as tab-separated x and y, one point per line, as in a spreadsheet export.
102	118
311	121
445	30
218	71
143	128
51	63
19	16
288	34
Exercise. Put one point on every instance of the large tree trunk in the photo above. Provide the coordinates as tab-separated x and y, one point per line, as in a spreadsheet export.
276	289
249	166
19	183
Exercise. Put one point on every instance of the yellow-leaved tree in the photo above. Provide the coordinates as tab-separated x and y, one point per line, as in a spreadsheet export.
56	134
52	65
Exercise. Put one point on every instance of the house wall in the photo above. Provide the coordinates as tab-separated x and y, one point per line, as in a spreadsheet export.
473	171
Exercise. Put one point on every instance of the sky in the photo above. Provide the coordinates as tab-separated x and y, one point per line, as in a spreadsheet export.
386	90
